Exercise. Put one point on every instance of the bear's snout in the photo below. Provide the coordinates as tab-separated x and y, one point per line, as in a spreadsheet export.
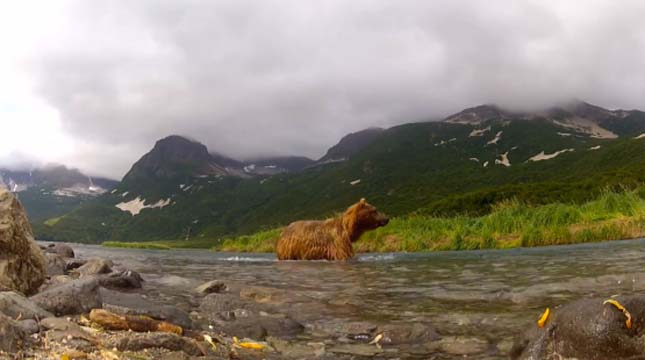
383	220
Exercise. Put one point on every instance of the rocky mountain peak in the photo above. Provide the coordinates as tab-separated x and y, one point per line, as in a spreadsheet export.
351	144
175	156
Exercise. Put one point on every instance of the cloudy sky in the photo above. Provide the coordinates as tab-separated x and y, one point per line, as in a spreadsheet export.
93	84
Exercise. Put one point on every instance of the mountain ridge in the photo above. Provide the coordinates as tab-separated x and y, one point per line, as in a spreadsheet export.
438	167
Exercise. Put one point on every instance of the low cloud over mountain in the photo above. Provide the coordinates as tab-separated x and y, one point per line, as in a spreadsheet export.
255	79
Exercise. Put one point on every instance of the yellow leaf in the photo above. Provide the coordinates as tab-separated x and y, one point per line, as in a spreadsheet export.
209	340
620	307
251	345
544	317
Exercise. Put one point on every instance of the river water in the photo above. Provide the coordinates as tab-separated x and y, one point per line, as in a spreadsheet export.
489	296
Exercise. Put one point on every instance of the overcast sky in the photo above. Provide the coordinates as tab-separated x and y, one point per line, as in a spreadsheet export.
93	84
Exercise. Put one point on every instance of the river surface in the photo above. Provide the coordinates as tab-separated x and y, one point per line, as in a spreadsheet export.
490	296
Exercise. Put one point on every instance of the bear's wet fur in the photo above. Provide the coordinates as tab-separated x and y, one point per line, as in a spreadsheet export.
329	239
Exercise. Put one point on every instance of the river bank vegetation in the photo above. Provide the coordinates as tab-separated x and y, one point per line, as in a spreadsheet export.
512	223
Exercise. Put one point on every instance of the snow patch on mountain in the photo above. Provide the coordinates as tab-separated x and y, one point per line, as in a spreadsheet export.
504	160
587	127
478	132
641	136
498	136
542	156
135	206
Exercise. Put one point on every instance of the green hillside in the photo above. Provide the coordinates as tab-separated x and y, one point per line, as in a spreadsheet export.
511	223
425	168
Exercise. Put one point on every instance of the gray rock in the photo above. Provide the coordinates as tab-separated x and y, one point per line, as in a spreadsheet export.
280	327
54	323
125	279
219	306
12	337
29	326
61	249
266	295
54	281
68	332
587	329
74	264
355	349
135	304
73	339
214	286
142	341
22	264
408	333
242	328
94	266
296	350
76	297
353	330
56	265
15	305
460	345
259	327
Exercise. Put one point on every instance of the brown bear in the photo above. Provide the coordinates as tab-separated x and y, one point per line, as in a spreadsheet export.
329	239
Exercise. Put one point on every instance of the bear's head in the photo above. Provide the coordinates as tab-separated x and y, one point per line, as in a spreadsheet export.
363	216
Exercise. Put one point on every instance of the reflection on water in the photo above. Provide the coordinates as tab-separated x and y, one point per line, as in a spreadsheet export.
491	295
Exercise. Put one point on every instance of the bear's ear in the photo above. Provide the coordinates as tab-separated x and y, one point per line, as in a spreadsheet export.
363	201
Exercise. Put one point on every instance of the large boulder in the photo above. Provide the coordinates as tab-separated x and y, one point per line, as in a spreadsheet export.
588	329
17	306
22	264
56	264
95	266
134	304
61	249
125	279
75	297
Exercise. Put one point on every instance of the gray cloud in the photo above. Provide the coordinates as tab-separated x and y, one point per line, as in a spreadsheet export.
252	78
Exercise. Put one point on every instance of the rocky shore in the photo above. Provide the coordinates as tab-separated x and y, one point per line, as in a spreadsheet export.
54	305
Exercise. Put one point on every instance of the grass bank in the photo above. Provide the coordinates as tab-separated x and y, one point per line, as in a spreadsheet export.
612	216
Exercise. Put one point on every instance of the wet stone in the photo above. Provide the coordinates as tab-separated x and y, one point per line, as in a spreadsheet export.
76	297
94	266
61	249
55	264
72	264
409	333
355	349
214	286
141	341
459	345
220	306
135	304
125	279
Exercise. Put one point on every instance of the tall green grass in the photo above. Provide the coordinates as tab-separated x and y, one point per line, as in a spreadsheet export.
263	241
613	215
